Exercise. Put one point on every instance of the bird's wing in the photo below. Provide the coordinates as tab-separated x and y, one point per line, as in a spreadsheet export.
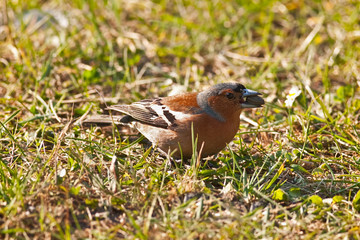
152	112
144	112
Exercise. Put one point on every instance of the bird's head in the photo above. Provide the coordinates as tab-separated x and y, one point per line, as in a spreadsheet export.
226	99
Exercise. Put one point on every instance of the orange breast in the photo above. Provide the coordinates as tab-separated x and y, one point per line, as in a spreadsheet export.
213	133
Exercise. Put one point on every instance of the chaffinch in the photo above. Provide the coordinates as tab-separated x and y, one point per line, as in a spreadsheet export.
214	116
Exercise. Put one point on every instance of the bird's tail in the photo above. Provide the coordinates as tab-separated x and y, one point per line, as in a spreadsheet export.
103	120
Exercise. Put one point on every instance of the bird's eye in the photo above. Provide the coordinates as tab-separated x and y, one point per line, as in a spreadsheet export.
229	95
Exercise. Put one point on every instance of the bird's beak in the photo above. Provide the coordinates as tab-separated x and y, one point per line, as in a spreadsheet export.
252	99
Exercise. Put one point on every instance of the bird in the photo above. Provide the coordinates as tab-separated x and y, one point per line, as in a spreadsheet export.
171	123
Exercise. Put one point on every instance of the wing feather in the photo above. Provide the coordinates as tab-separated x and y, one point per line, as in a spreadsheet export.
155	113
143	112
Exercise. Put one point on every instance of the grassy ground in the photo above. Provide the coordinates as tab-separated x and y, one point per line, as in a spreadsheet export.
291	172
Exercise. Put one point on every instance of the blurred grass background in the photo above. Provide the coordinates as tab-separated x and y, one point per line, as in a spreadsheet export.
292	171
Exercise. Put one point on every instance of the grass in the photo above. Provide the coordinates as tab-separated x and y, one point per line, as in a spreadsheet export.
292	171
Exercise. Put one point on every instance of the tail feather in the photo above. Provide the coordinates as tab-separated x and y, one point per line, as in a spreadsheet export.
105	120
